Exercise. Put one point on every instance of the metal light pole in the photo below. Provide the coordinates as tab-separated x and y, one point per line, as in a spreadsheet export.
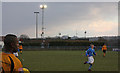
36	23
76	33
42	34
85	34
43	7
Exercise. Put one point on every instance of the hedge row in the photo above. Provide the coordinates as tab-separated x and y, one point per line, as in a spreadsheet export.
81	43
65	43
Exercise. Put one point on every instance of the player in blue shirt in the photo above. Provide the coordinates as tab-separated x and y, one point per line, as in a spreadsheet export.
89	54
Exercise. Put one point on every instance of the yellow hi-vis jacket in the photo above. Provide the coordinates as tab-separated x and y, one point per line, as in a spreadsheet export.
20	47
10	63
104	47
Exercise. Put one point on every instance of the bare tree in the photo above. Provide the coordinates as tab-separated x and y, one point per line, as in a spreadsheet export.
24	36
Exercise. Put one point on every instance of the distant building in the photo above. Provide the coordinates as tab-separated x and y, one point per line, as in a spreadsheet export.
1	42
65	37
1	38
74	37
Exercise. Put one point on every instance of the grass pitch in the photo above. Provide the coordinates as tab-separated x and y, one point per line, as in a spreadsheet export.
68	61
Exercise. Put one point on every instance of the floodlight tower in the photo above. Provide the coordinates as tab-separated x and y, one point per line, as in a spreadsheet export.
36	23
42	34
43	7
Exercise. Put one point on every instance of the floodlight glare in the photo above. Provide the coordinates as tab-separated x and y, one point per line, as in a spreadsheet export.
43	6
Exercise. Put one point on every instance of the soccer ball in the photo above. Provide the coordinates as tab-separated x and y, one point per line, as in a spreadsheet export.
26	70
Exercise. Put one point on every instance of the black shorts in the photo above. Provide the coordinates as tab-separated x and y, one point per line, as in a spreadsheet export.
20	49
104	51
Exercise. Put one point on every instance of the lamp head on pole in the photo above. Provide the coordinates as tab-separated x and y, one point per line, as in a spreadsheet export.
85	32
43	6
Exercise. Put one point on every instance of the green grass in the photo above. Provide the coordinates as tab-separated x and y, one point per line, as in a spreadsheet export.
68	61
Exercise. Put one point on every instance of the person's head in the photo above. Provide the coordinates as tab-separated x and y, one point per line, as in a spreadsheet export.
10	43
92	46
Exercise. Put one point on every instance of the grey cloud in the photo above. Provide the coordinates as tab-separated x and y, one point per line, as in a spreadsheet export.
19	17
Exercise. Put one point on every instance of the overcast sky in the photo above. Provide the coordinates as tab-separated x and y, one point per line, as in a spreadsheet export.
67	18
